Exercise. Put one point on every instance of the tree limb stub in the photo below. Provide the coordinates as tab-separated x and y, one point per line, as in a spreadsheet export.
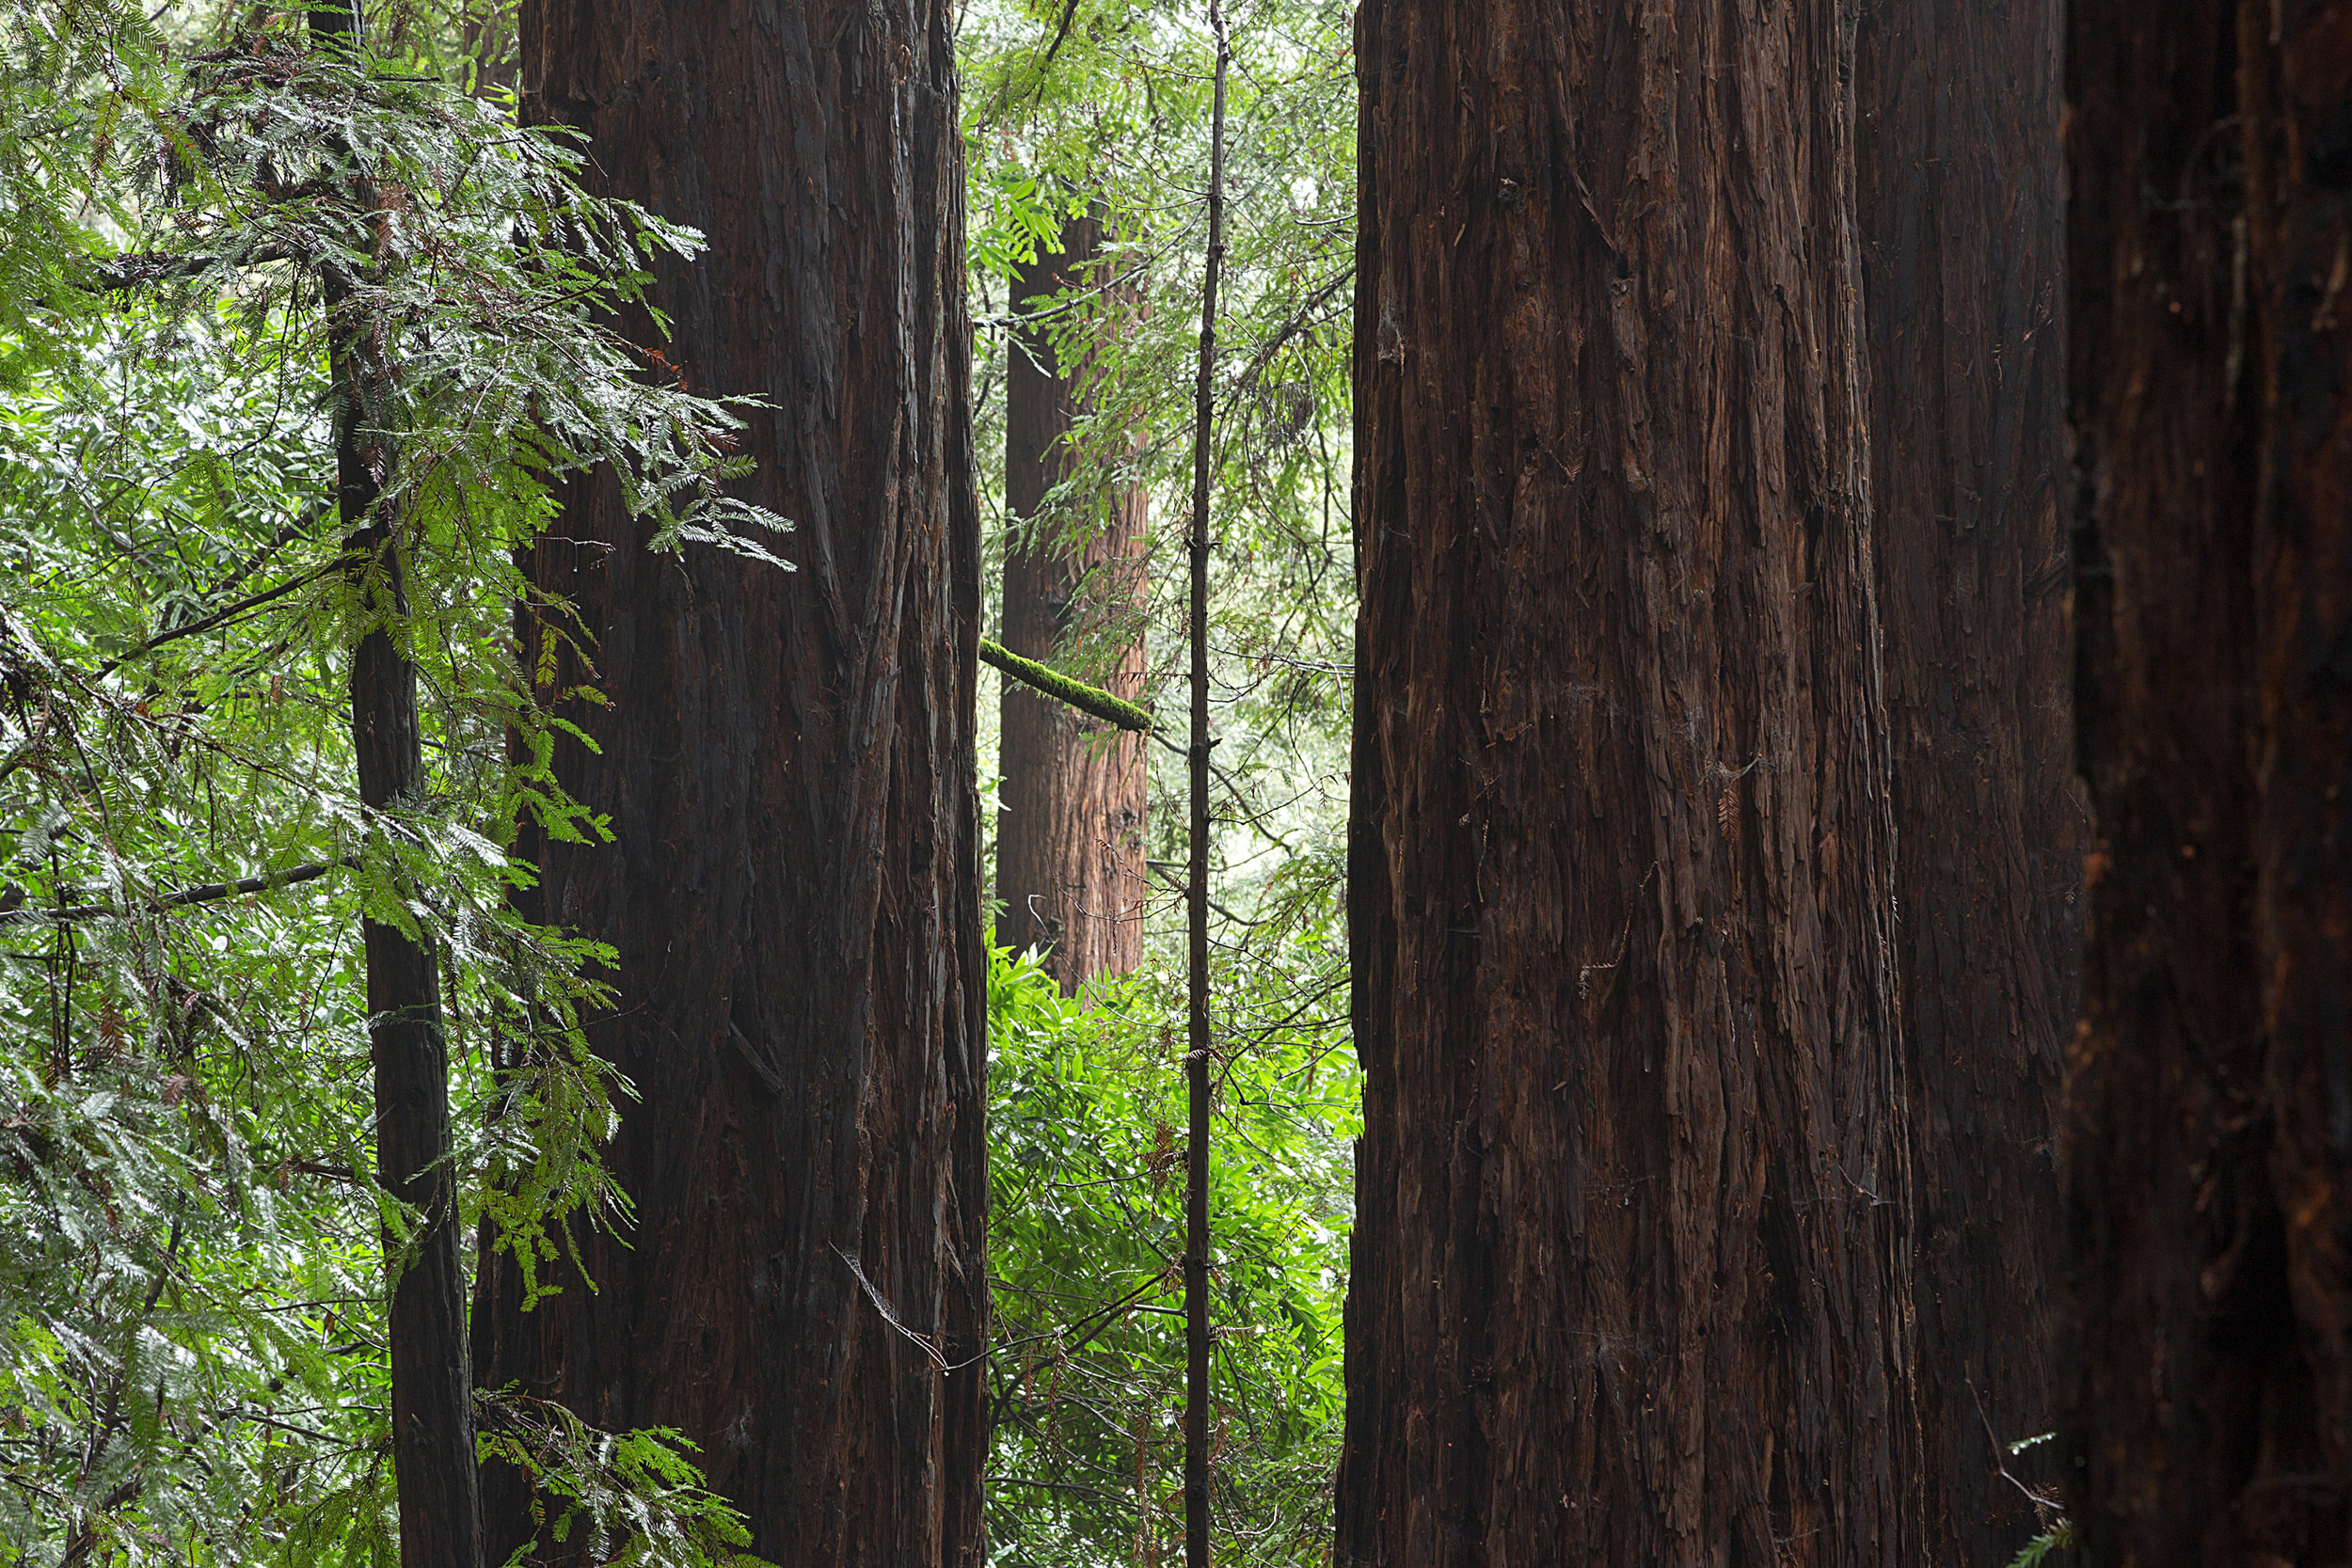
1087	699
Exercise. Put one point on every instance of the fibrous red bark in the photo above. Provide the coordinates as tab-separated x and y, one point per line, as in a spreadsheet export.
2207	1125
786	763
1958	185
1632	1270
1070	834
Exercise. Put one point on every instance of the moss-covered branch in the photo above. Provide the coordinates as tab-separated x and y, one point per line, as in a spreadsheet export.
1079	694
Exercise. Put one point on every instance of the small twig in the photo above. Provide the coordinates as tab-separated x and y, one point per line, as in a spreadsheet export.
1290	329
2043	1507
312	516
1055	1486
1178	888
890	1316
137	268
1068	14
230	612
204	892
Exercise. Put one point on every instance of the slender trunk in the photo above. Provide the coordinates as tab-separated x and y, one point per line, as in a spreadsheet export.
1959	169
2209	1121
433	1426
786	759
432	1378
1197	1058
1069	836
1631	1272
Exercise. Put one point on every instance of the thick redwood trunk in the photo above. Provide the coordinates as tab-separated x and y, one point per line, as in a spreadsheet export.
2207	1126
786	761
1959	171
1631	1271
1069	836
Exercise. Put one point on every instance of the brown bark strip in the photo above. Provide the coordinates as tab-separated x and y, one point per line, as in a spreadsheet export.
1959	183
1070	834
1200	1042
1631	1262
787	762
2209	1114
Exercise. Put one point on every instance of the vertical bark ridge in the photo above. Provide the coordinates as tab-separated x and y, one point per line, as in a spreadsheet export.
786	763
1631	1259
1959	169
2207	1129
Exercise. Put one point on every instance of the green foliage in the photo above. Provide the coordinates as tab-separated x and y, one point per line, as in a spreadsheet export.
635	1497
192	1357
1086	1186
1104	105
2057	1538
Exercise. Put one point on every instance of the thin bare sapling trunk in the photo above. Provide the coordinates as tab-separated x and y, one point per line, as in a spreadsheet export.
1197	887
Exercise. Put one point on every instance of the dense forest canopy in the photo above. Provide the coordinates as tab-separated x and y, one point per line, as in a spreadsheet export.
833	784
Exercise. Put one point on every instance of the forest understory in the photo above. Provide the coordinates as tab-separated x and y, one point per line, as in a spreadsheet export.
1083	782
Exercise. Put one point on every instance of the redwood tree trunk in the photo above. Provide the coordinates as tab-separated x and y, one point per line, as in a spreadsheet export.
786	761
1631	1272
1959	174
1069	836
2210	1096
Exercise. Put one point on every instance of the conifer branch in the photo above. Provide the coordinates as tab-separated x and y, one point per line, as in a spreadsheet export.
202	893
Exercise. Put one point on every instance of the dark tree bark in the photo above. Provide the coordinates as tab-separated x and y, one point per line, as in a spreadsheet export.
1631	1271
432	1379
1199	1038
1069	836
786	761
2207	1122
432	1382
1958	173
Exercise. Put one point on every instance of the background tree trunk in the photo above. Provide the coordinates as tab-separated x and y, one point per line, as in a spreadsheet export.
786	760
1069	836
2210	1094
1632	1270
1959	174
